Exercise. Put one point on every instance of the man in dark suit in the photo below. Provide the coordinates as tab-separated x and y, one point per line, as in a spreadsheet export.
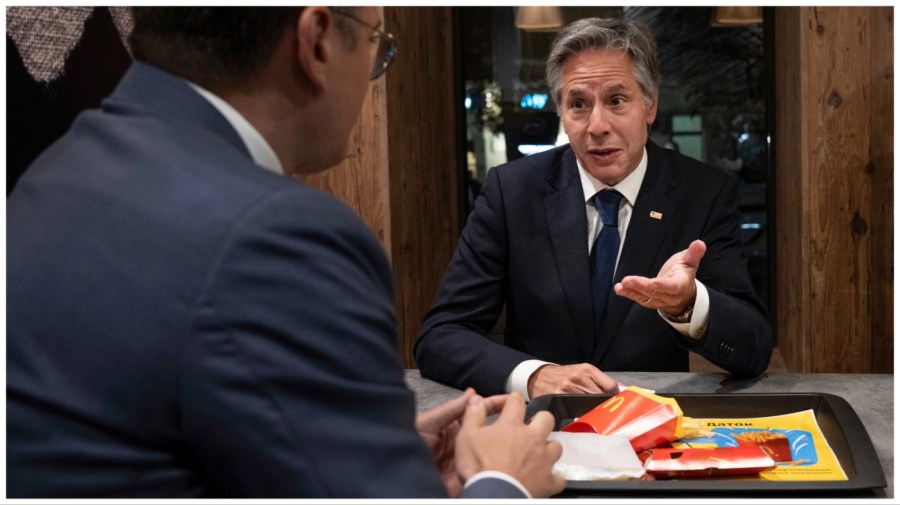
184	320
594	248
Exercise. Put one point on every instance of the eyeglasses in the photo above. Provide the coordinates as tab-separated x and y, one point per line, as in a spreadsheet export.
387	47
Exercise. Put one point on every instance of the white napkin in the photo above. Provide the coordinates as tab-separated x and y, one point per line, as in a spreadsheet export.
588	456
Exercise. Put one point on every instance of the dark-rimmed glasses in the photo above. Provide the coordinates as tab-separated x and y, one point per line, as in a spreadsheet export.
387	47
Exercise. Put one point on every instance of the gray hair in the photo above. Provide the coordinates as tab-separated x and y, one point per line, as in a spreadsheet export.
630	37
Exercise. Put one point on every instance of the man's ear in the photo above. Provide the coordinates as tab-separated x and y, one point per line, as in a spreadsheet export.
313	49
651	111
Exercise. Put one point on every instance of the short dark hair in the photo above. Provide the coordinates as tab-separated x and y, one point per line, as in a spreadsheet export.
214	47
630	37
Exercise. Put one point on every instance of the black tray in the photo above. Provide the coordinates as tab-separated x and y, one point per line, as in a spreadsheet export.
839	423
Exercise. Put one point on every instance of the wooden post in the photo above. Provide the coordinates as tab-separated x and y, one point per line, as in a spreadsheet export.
834	189
422	155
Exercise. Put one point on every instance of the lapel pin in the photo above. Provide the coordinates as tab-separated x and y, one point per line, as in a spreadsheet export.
655	215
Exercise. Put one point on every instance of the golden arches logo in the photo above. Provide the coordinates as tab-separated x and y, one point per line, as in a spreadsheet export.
613	403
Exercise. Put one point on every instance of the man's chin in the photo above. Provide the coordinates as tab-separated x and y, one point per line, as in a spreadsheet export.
321	164
607	174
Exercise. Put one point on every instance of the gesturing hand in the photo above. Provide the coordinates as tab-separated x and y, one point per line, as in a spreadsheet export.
673	289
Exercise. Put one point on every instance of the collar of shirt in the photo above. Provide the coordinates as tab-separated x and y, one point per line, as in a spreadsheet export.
629	186
260	150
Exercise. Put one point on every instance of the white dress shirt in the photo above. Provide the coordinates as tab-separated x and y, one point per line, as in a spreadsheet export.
260	150
629	187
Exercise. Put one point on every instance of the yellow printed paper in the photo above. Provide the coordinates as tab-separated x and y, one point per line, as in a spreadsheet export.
679	431
794	441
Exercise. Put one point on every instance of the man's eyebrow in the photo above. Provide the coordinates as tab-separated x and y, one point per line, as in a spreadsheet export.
577	91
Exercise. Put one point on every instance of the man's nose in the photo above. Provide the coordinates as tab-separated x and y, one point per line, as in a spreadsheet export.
598	123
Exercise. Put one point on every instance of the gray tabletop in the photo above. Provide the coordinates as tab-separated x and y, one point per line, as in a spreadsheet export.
870	395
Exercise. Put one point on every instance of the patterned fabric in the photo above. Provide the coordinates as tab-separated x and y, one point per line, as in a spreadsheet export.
604	252
45	36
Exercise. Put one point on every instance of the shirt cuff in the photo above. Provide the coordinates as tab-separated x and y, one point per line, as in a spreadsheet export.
494	474
518	379
696	327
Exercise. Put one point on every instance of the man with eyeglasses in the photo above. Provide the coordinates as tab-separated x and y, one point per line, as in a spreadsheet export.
186	321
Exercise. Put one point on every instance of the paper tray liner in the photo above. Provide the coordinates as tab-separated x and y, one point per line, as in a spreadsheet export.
838	421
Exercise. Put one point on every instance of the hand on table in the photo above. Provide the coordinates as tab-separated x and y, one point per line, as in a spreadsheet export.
580	378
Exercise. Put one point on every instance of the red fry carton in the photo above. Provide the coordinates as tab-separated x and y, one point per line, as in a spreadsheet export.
702	462
646	419
774	444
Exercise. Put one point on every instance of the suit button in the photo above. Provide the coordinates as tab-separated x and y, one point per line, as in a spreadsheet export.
725	349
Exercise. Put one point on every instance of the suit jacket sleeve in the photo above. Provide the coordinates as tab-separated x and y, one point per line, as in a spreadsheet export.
294	386
738	338
453	344
492	488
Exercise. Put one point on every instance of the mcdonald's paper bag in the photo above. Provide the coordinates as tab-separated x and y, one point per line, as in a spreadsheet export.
647	420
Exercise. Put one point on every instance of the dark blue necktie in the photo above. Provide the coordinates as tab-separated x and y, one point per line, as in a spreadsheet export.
605	250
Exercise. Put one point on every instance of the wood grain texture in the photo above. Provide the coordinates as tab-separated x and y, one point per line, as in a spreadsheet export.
792	313
422	159
881	166
834	165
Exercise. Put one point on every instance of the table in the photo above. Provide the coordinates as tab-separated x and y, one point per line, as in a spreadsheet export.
870	395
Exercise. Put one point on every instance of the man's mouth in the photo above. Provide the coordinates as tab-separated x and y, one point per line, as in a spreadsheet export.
604	153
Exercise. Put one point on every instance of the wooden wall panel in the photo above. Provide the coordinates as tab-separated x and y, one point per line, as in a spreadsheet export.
881	163
792	313
422	160
833	161
838	187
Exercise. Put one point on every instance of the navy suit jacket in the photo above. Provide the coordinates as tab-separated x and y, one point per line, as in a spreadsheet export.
525	247
182	322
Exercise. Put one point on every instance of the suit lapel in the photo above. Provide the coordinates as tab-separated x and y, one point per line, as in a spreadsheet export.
567	223
643	241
